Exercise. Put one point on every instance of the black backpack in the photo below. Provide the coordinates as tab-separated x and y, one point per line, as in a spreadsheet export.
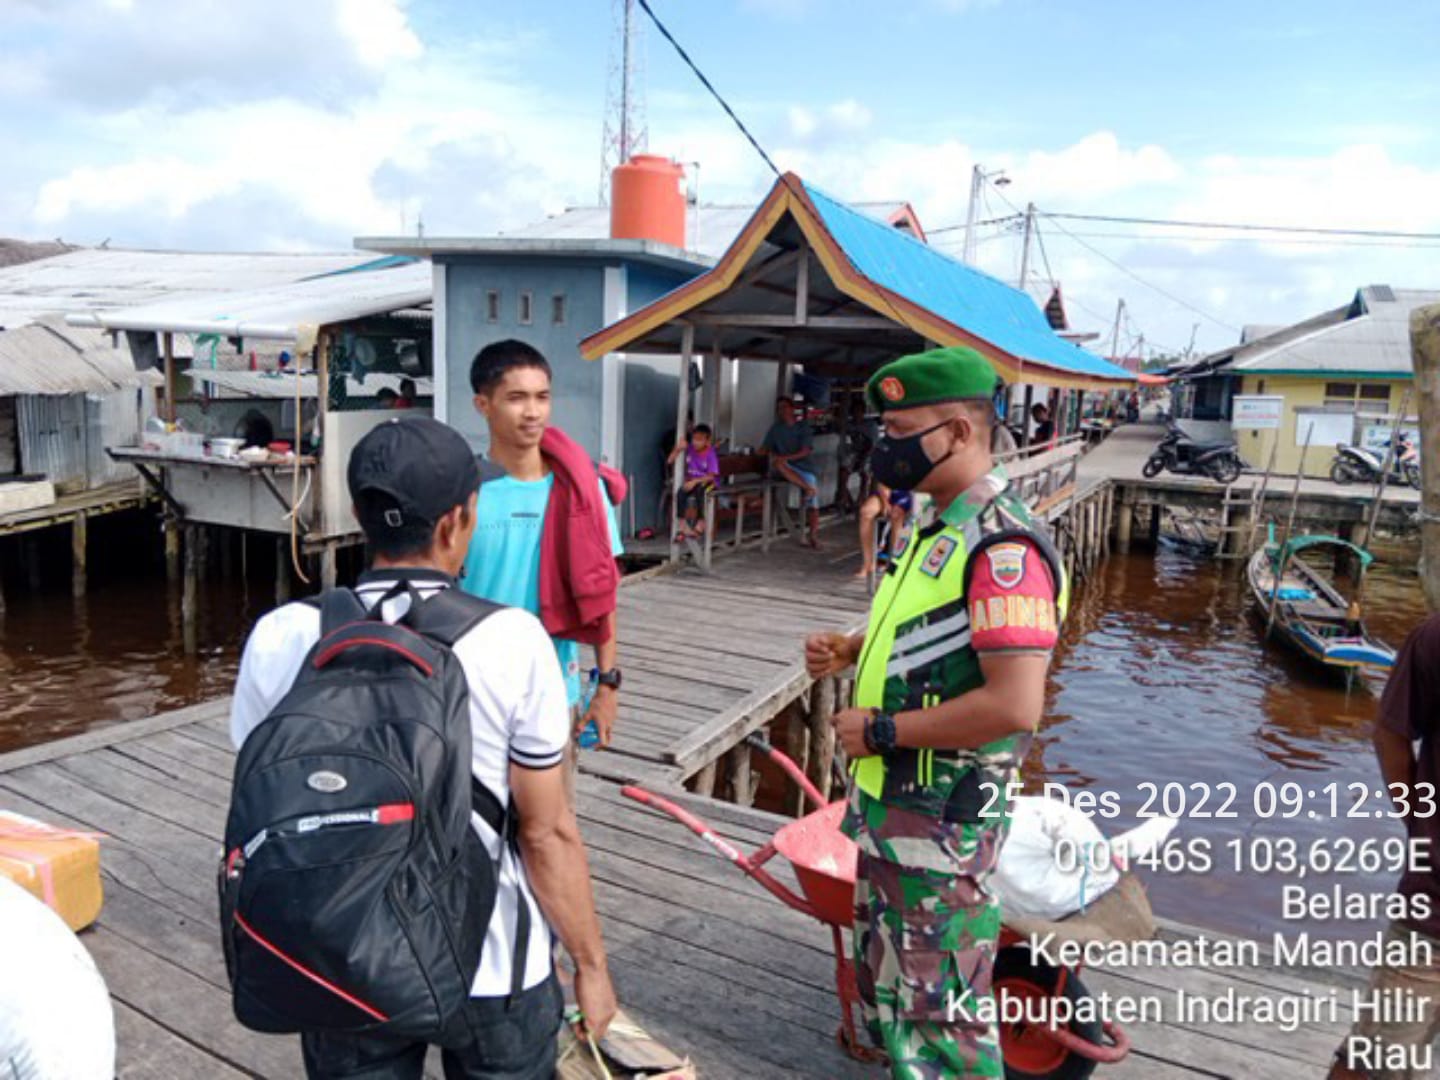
354	895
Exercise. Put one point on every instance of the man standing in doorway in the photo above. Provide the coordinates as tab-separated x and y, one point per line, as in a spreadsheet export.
789	442
949	688
546	538
1409	715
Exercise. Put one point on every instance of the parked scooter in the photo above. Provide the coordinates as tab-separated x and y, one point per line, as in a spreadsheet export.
1360	464
1181	454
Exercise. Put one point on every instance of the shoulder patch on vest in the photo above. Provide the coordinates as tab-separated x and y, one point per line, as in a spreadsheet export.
1007	564
938	556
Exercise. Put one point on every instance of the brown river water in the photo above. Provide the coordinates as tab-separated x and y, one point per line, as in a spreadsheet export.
1163	677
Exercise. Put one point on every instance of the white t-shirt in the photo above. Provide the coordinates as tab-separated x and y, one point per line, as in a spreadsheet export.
518	714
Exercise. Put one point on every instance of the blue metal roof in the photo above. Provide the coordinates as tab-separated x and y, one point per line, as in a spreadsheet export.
968	298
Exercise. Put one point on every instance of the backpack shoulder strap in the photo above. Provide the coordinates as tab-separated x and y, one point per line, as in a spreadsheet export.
338	607
1042	543
449	615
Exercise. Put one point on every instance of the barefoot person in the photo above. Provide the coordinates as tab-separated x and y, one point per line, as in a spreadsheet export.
895	507
949	688
790	443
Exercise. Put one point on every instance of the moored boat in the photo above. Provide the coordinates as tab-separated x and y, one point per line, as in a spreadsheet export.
1310	614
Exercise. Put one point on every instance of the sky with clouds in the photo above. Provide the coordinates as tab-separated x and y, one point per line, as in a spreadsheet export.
285	124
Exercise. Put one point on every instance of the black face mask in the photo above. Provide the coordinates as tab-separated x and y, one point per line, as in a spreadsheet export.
901	463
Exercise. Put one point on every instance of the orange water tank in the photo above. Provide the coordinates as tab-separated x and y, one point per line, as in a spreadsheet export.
647	200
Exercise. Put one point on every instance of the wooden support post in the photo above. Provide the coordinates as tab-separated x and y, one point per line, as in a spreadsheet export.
822	735
227	555
742	790
1107	526
1025	416
682	412
328	570
797	746
282	572
705	780
79	531
30	552
190	598
172	549
1124	522
1425	352
167	340
1155	525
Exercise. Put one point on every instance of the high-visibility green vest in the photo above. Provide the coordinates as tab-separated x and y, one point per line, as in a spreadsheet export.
917	652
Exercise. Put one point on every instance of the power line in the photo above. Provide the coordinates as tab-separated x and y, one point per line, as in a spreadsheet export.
708	86
1148	284
1243	227
1279	241
978	224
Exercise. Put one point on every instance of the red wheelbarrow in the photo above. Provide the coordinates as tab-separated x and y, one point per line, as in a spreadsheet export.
824	863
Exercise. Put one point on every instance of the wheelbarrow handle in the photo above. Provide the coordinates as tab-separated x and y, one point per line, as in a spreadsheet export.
803	782
750	865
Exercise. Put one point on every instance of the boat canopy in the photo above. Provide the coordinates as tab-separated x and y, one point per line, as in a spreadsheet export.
1299	543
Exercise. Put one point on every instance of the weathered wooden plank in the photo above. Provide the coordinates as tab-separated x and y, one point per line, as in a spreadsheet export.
185	850
168	887
189	1006
147	1051
192	753
202	818
738	720
142	760
109	736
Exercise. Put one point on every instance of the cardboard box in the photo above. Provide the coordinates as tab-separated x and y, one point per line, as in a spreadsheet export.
59	866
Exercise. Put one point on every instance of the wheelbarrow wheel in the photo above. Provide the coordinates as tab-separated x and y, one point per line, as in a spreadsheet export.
1029	1052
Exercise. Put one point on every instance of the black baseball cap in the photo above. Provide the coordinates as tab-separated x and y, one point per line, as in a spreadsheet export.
426	468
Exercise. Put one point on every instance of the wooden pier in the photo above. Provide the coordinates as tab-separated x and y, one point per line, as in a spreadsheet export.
703	957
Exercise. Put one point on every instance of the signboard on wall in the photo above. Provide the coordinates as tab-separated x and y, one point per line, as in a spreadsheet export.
1327	429
1257	412
1376	435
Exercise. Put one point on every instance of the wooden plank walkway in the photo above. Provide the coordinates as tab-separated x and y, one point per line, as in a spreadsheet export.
702	956
709	657
126	495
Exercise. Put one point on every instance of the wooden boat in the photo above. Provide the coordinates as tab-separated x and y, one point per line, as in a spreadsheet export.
1310	614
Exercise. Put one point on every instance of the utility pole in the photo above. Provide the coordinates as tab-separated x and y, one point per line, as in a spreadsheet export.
1425	353
1115	333
1025	246
967	251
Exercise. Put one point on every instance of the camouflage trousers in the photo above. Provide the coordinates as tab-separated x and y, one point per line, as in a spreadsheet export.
923	939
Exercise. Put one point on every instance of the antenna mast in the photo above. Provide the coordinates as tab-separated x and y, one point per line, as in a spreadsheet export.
626	132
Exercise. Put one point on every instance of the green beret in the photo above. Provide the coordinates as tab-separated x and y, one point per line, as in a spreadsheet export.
929	378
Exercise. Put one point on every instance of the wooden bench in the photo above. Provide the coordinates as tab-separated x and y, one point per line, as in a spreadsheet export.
743	478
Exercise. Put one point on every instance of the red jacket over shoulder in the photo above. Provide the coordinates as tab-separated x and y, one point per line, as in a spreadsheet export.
578	575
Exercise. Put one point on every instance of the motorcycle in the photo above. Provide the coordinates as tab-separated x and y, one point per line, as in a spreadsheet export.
1364	465
1181	454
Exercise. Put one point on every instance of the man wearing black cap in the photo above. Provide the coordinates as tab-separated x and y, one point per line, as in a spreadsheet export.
413	483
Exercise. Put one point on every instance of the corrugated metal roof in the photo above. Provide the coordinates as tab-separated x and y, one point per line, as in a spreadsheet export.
48	357
709	230
962	295
1370	337
109	278
277	311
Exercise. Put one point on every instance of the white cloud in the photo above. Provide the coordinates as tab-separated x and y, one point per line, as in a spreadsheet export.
378	31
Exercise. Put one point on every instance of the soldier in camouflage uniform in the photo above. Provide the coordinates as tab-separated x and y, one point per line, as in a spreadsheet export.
950	682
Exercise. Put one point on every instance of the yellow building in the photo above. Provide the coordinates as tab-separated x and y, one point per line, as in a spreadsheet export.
1342	376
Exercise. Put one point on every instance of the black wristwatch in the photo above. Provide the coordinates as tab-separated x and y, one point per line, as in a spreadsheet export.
609	678
880	732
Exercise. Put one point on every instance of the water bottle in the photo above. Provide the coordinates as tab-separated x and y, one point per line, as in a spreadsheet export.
589	734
